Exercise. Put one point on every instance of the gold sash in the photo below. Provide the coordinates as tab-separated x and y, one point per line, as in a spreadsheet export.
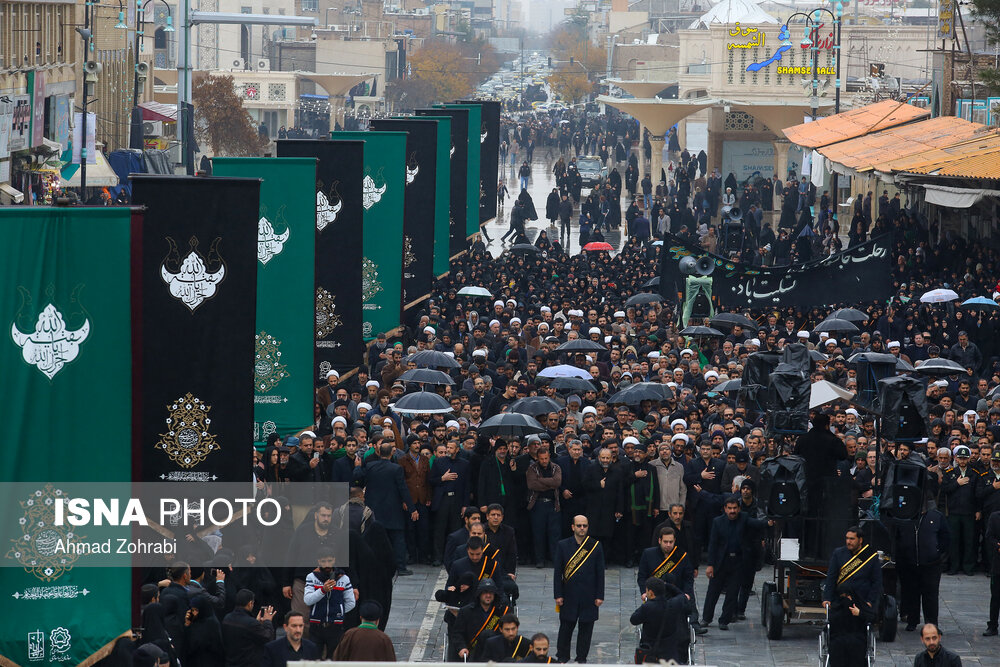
668	565
854	564
518	651
483	574
491	622
577	560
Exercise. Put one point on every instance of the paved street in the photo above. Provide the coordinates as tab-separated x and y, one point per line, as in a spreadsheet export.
417	628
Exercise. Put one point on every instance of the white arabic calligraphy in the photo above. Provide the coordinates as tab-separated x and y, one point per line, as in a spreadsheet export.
326	213
193	284
411	174
269	244
371	195
51	346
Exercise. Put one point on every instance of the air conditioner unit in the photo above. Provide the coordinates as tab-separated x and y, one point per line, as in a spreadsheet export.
264	65
152	128
239	64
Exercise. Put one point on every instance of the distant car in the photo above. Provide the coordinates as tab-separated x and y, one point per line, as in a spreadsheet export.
592	171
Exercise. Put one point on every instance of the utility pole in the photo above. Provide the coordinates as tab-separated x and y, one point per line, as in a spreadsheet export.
86	34
522	68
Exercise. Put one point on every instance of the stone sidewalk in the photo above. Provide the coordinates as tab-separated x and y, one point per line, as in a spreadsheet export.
416	624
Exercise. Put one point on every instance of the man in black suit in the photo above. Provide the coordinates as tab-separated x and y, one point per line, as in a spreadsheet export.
703	474
573	494
666	561
853	588
449	477
387	495
292	646
725	558
578	588
456	540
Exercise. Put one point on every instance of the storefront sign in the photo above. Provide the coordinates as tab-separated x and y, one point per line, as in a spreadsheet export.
827	71
946	19
20	125
36	85
786	44
6	117
754	37
59	110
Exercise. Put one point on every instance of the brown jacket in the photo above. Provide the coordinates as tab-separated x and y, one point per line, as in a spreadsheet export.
536	483
390	372
415	475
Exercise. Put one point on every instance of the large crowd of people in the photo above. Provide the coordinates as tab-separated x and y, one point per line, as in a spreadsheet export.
666	485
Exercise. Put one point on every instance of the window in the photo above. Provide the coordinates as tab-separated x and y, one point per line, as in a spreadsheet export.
310	5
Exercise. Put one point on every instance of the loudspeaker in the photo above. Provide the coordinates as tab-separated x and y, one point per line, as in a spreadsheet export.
688	266
903	402
705	265
735	214
869	374
904	495
732	237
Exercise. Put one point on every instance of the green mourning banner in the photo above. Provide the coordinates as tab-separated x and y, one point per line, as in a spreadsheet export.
442	212
382	199
66	407
473	182
286	244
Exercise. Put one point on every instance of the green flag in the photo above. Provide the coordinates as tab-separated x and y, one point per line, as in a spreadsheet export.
382	198
442	212
474	184
66	406
286	243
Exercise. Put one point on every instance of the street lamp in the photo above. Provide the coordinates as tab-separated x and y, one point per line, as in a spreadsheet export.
142	69
811	41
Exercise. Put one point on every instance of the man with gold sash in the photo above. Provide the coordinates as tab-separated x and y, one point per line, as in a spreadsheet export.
668	562
852	590
508	646
578	588
476	623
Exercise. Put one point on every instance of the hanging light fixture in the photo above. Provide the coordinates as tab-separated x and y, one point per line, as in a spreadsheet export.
121	25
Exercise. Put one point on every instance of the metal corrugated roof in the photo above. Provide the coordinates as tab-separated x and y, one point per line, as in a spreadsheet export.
977	158
854	123
876	150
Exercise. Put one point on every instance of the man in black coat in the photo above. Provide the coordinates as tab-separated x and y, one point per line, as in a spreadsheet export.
605	496
666	561
292	646
578	588
992	540
456	540
508	646
704	474
854	570
725	560
921	547
822	451
662	618
243	635
387	495
476	623
935	655
573	465
175	602
450	479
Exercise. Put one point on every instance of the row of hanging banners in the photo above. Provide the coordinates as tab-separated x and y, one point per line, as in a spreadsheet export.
212	307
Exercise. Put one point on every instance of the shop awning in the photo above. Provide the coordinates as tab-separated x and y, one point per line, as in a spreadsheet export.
854	123
944	195
154	111
99	175
875	150
977	158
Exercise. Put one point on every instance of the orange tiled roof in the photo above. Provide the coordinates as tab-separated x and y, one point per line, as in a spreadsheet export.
977	158
880	149
854	123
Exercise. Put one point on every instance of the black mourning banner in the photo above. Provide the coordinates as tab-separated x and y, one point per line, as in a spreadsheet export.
194	278
858	275
459	172
339	224
489	158
419	204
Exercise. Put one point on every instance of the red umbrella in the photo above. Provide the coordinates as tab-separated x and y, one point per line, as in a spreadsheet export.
598	245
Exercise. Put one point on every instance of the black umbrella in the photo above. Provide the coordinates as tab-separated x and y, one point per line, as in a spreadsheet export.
510	425
523	247
903	365
572	384
641	391
849	314
729	385
833	325
728	320
707	332
643	299
535	405
816	355
581	345
652	282
433	359
426	375
940	367
420	403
